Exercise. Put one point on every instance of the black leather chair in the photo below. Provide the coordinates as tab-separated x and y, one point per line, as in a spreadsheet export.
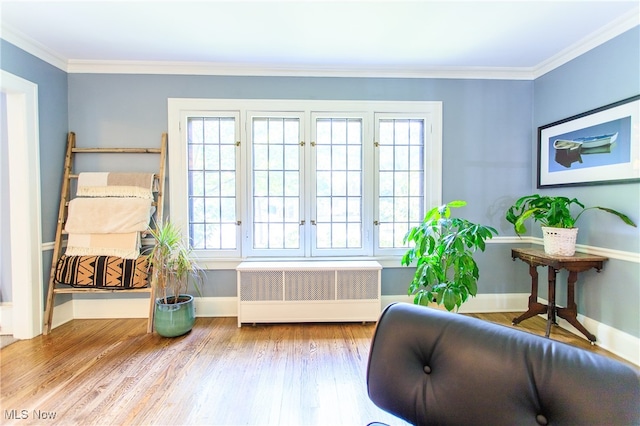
431	367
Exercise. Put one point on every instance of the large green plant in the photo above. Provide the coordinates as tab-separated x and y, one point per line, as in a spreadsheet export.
443	248
171	263
550	211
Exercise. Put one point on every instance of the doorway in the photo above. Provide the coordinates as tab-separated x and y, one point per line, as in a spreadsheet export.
23	238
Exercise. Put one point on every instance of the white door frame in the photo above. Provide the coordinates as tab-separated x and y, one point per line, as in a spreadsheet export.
24	204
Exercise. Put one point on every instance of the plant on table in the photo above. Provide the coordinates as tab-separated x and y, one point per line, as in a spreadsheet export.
555	212
443	248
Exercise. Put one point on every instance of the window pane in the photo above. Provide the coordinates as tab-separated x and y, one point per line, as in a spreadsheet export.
276	157
354	207
212	182
213	236
228	157
291	236
386	183
196	211
385	235
196	183
260	209
338	175
228	237
323	237
291	184
211	131
276	131
386	209
323	209
228	210
323	183
323	157
291	210
228	184
260	183
339	183
291	157
211	157
339	158
354	158
401	179
354	235
276	235
260	157
212	210
354	183
276	182
338	209
386	158
260	131
339	235
197	236
196	157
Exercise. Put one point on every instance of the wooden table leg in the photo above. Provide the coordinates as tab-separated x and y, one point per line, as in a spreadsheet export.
534	307
551	308
570	313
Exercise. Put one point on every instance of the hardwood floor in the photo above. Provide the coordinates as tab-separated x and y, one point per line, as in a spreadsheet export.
112	372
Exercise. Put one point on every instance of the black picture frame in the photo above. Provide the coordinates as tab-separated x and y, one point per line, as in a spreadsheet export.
601	146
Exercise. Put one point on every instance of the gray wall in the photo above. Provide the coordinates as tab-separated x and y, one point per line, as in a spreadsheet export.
604	75
486	137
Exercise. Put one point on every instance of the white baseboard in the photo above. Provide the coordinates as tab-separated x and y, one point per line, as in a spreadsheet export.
609	338
6	319
62	313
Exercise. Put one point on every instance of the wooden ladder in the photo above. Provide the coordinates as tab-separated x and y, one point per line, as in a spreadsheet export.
65	197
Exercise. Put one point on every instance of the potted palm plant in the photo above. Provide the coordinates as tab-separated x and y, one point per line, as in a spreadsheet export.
557	220
172	269
443	247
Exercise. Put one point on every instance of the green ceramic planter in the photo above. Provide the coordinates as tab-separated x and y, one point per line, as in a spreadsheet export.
175	319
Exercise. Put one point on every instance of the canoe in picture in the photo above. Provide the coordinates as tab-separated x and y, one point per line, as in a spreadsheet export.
569	151
586	143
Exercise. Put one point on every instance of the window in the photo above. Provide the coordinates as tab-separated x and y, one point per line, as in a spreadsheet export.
400	178
276	176
211	143
337	213
301	179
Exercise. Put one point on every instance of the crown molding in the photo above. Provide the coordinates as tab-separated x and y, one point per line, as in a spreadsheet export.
601	36
239	69
33	47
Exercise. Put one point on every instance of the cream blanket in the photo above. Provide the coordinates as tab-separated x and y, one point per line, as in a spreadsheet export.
108	215
126	246
109	184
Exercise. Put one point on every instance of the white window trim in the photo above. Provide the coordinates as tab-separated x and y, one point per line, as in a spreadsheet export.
178	185
432	154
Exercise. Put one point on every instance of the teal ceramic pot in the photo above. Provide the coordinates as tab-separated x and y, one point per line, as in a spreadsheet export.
175	319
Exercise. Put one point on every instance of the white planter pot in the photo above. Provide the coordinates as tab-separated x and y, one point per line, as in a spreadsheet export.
559	241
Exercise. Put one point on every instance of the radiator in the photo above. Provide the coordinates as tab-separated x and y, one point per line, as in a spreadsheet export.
312	291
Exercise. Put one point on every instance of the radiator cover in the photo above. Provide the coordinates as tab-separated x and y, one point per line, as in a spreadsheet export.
312	291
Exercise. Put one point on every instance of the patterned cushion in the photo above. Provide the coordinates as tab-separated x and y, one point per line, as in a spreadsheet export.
102	272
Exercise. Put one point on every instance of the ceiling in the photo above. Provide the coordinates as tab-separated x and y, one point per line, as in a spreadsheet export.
314	36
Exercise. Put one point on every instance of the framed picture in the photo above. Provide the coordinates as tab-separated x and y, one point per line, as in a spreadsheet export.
596	147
